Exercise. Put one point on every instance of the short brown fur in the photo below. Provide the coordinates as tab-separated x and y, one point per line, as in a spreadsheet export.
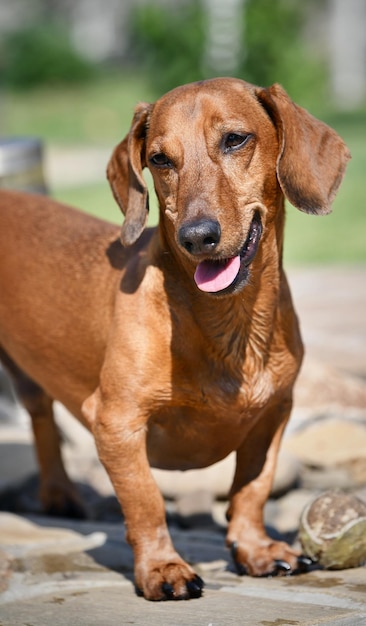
162	373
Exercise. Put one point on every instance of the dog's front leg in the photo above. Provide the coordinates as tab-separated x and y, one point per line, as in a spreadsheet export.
253	550
120	435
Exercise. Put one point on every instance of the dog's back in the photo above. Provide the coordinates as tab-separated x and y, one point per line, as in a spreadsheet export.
37	286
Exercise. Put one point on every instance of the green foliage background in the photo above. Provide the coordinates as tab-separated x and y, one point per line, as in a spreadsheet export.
50	92
40	54
169	43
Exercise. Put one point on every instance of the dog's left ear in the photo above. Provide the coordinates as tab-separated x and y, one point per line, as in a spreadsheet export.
124	173
312	157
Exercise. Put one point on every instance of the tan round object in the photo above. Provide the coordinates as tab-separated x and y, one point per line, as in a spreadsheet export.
333	530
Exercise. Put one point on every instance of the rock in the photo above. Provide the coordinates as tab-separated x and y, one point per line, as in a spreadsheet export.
348	475
218	477
284	513
17	455
22	537
287	475
323	478
195	509
333	530
355	470
6	567
328	441
323	387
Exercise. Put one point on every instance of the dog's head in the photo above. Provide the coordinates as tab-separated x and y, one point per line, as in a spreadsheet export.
222	153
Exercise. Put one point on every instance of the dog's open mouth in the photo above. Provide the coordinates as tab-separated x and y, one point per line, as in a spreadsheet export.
228	275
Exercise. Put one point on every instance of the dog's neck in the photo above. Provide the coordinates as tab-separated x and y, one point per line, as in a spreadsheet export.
233	327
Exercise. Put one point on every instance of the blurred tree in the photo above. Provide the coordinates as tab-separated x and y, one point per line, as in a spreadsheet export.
42	53
276	49
272	35
170	41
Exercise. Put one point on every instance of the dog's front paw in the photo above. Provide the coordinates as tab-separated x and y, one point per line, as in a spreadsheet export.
168	581
270	558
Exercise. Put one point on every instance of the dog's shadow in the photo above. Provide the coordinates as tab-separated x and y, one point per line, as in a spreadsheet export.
198	538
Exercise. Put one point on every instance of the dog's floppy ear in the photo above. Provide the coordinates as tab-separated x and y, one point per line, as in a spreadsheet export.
124	173
312	157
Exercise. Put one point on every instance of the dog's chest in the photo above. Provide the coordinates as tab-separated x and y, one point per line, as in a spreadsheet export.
222	396
203	424
211	405
224	392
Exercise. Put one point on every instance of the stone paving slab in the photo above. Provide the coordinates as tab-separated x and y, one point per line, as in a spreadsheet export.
331	304
115	605
80	573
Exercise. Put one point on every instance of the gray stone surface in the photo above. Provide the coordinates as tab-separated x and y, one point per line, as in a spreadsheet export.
331	302
81	573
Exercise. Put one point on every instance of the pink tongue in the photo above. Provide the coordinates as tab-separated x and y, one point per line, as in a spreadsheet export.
214	276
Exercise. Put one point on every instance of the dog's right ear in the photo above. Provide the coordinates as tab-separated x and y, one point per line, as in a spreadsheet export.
124	173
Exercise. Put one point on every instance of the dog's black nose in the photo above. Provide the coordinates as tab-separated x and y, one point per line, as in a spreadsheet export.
200	237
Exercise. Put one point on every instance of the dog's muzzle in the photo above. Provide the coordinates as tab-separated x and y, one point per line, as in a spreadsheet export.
223	276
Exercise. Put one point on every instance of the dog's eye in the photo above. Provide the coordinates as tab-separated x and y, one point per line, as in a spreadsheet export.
160	160
234	141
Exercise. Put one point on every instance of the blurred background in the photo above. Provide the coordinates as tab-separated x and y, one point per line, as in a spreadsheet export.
71	72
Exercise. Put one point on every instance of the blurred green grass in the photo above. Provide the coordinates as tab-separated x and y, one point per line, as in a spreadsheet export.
99	114
341	235
98	200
